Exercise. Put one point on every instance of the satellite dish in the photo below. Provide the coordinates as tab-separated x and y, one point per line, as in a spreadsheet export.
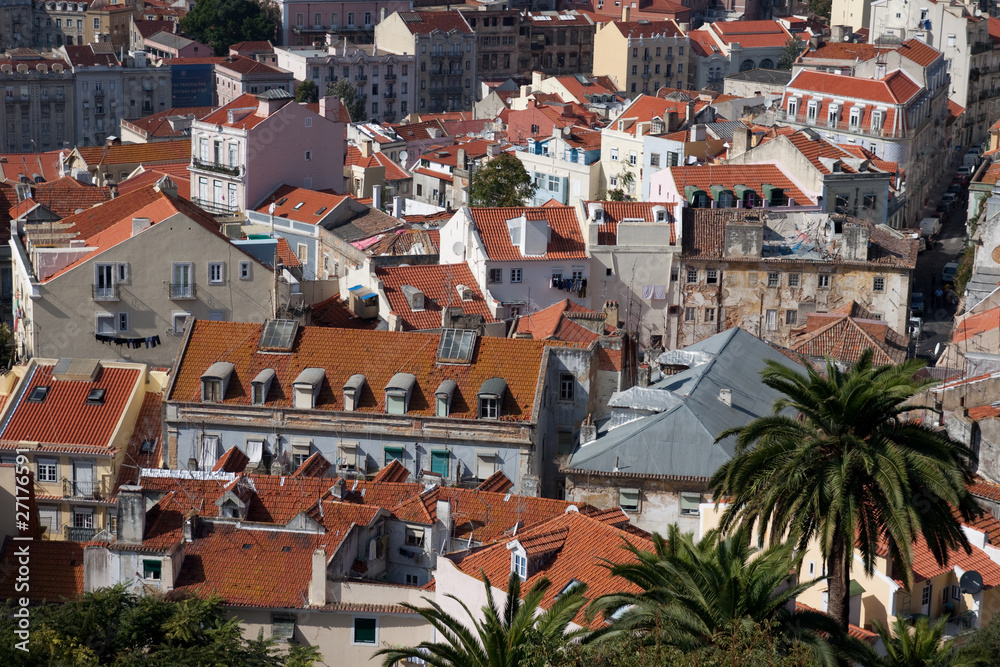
403	155
971	582
270	209
768	104
458	248
937	349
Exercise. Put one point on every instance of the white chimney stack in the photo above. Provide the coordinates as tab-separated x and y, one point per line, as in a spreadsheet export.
726	396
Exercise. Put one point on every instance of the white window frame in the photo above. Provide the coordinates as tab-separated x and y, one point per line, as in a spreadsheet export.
112	317
51	465
216	273
516	275
178	317
245	271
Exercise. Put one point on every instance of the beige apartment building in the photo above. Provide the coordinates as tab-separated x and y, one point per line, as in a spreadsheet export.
110	21
445	48
37	113
642	56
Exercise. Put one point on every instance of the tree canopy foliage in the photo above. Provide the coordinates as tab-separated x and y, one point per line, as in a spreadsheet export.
307	92
348	94
222	23
503	181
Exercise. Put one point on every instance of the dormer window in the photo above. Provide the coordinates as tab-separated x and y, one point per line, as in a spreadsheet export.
397	393
38	394
214	382
443	396
306	388
352	392
490	396
793	106
877	118
856	116
518	560
260	386
660	213
597	213
812	111
833	114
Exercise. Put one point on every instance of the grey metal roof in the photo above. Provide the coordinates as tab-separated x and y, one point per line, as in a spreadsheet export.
275	94
169	40
775	76
681	440
310	376
401	382
220	370
724	129
263	377
355	382
446	388
493	388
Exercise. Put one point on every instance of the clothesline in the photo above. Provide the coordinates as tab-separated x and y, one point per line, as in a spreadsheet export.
134	343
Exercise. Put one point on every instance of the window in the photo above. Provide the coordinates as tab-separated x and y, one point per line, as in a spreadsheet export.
925	595
771	320
496	275
567	386
182	286
710	314
415	536
773	280
956	593
244	270
951	41
48	519
151	569
488	407
689	315
632	158
179	317
440	462
878	284
123	321
365	630
654	159
48	470
106	324
712	276
689	503
485	464
122	272
215	272
794	279
309	156
392	453
83	518
412	579
628	499
519	563
614	154
823	280
515	275
692	276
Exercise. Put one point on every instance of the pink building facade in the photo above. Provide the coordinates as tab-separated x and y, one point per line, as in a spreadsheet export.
303	23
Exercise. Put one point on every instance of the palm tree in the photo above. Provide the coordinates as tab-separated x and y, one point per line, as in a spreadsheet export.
501	639
851	470
694	593
919	646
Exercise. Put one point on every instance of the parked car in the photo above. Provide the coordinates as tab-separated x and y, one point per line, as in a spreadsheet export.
949	272
915	327
917	304
963	171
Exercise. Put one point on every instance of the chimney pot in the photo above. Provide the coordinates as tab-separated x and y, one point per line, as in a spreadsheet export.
726	396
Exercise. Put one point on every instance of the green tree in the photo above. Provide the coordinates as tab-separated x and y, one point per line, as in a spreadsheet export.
850	470
348	94
501	638
922	645
821	7
503	181
625	181
221	23
693	594
984	643
307	91
790	53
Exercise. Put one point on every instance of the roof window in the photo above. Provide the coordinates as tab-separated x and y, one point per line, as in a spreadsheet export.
306	388
278	335
260	386
352	392
298	206
38	394
443	396
215	380
320	211
491	398
281	201
397	393
456	346
96	396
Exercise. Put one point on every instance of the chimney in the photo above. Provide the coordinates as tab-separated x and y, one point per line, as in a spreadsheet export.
689	112
131	513
329	107
317	585
140	224
536	79
493	150
611	313
337	490
726	396
444	516
366	148
671	121
643	375
742	138
190	528
625	11
397	207
461	159
377	196
588	430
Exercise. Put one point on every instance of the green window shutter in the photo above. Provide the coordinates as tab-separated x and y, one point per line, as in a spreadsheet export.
689	503
440	459
151	569
364	630
393	454
628	499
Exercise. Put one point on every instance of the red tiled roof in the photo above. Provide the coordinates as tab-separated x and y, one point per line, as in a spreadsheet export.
635	29
67	195
553	323
565	242
393	172
751	34
300	204
647	107
158	125
615	212
424	23
845	51
314	466
439	283
976	325
64	417
245	65
419	131
244	102
334	312
148	28
147	428
84	56
919	52
285	255
147	154
394	472
234	460
728	176
406	242
376	354
844	338
14	165
925	566
251	47
496	483
896	88
178	174
448	155
56	571
982	487
569	547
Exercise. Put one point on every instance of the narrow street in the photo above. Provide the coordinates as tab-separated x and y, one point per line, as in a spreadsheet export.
939	318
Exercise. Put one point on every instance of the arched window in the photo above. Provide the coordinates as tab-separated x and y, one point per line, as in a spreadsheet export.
766	63
746	66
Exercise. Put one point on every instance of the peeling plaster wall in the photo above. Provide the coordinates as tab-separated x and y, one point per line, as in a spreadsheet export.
659	500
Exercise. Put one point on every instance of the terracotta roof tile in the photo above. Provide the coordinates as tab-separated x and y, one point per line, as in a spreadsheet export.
427	22
553	323
565	242
394	472
421	131
301	204
920	53
852	51
896	88
245	118
393	172
376	354
14	165
635	29
314	466
844	338
334	312
448	155
85	56
158	152
158	124
982	487
751	34
571	546
496	483
177	173
439	284
143	449
65	417
406	242
615	212
56	571
245	65
67	195
286	257
976	325
754	176
234	460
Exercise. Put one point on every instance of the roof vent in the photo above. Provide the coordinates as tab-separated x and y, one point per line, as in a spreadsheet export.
464	292
726	396
38	394
414	297
96	396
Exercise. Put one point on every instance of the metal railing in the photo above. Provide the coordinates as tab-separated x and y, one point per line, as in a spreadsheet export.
217	167
181	290
81	489
109	293
844	125
74	534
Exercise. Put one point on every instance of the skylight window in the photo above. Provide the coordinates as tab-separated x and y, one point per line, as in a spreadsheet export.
146	447
298	206
278	334
96	397
38	394
320	211
456	345
568	588
281	202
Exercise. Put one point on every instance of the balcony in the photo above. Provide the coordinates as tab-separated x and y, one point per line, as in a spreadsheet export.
217	167
668	57
98	94
81	489
647	57
74	534
846	126
216	208
390	76
361	77
438	55
108	293
181	291
390	94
